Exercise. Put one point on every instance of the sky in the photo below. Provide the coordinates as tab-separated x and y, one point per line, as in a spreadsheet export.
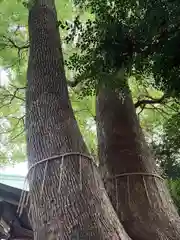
19	169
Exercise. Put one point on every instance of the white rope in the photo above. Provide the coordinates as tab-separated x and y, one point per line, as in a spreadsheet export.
80	172
59	156
44	176
46	160
61	172
137	173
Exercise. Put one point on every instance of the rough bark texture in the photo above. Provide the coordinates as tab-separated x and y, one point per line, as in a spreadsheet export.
142	202
52	130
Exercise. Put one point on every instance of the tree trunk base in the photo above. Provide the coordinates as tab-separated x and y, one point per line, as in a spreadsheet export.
148	212
152	230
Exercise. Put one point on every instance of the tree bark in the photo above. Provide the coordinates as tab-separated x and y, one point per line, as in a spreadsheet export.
52	130
142	201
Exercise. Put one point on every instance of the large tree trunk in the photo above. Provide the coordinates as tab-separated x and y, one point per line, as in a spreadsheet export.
142	201
52	130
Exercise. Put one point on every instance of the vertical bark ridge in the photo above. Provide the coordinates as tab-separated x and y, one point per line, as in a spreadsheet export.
144	205
51	130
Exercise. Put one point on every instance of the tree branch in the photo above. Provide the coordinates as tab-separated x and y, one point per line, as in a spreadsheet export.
143	102
13	44
72	83
8	97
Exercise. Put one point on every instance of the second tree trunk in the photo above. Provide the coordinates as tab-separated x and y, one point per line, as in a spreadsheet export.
128	168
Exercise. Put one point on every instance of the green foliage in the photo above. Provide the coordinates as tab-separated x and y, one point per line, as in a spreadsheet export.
160	123
84	110
12	124
174	187
143	36
168	149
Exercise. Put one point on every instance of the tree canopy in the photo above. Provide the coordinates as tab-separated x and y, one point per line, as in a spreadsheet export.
142	36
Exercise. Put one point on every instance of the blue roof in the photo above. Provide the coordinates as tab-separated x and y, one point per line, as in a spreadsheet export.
15	181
